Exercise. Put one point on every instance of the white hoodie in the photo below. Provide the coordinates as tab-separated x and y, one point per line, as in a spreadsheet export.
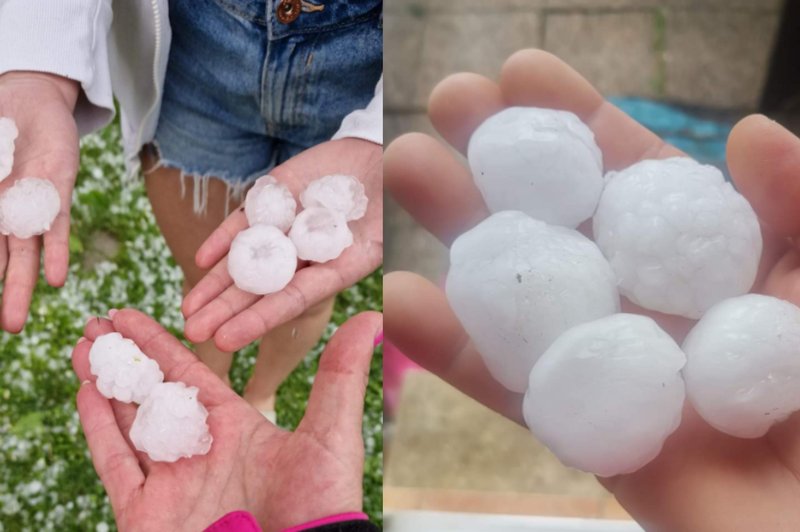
124	55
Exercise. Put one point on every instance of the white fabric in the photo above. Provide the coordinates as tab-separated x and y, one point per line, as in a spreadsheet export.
124	55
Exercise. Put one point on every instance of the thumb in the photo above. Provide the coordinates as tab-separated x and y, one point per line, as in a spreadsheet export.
336	404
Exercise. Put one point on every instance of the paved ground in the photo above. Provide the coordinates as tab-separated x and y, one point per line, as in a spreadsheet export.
711	53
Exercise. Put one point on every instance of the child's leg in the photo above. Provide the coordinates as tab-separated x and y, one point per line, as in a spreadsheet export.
281	350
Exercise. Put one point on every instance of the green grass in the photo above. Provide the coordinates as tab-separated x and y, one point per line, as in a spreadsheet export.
46	478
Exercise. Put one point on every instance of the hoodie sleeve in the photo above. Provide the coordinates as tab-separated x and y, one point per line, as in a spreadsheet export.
366	123
68	38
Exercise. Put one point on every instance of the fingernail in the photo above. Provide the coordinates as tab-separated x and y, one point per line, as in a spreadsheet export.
378	339
81	340
87	381
111	313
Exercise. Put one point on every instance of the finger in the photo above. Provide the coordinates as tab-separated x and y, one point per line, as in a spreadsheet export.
174	359
336	403
202	325
419	321
763	158
436	189
3	256
218	243
540	79
213	283
115	462
460	103
23	270
56	248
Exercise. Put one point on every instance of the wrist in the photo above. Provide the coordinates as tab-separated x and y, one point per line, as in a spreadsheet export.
67	88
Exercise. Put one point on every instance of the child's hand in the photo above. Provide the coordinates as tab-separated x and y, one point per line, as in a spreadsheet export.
215	308
47	147
283	478
703	479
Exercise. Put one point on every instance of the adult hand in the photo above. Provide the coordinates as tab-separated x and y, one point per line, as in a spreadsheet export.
703	479
283	478
47	147
216	308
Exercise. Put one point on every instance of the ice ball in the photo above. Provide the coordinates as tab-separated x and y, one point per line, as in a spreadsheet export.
171	424
28	207
543	162
320	234
743	369
679	237
516	284
341	193
123	372
8	134
270	202
262	260
607	394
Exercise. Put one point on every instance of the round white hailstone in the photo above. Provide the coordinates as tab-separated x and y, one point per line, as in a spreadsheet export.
28	207
341	193
679	238
8	134
171	424
123	372
262	260
543	162
607	394
320	234
270	202
743	369
516	284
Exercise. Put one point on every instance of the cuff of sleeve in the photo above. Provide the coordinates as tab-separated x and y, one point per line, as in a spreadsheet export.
238	521
366	124
66	38
335	523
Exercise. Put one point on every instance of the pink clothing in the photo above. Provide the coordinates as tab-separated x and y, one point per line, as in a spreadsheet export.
239	521
340	518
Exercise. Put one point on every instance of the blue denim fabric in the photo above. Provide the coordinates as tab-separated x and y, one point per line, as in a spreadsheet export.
244	92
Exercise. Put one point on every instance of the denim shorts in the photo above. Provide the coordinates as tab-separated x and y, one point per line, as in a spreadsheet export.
246	89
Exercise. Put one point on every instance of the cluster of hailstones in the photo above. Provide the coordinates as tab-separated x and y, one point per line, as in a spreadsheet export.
263	258
541	302
29	206
170	422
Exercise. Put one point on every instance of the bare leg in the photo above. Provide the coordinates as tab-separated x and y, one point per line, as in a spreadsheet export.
281	350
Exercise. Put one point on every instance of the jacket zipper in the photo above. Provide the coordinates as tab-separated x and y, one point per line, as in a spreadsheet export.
154	73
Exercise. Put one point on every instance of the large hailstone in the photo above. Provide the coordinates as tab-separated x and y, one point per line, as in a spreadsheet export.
171	424
606	394
743	369
516	284
28	207
342	193
270	202
262	260
123	372
679	238
320	234
8	134
543	162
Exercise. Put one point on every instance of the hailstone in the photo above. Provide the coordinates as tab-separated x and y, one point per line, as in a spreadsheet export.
543	162
262	260
516	284
607	394
270	202
8	134
123	372
679	237
320	234
171	424
28	207
743	369
341	193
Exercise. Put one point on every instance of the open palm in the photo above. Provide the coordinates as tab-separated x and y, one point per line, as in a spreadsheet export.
47	147
217	309
283	478
703	479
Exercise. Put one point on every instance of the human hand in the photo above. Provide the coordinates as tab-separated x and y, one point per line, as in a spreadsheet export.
703	479
216	308
282	478
47	147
